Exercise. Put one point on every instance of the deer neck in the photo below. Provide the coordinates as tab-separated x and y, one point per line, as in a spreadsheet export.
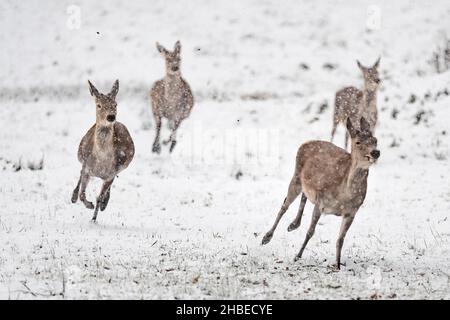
104	136
356	181
369	98
172	79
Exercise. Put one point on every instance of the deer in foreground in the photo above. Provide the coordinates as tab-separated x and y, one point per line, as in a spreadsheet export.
353	103
334	180
171	97
105	150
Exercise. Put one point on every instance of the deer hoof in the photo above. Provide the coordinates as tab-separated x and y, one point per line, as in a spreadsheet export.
74	197
335	268
172	145
156	148
293	226
89	205
299	255
266	239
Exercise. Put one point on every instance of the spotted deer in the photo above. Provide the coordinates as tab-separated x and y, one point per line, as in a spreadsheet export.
353	103
171	97
105	150
334	180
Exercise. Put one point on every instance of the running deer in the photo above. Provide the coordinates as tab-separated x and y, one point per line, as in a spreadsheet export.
353	103
171	97
334	180
105	150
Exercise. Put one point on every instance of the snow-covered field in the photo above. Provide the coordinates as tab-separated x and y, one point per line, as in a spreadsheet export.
189	224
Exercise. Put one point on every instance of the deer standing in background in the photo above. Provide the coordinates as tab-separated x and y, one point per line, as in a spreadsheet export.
105	150
334	180
353	103
171	97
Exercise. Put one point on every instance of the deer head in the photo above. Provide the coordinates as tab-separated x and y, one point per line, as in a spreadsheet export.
370	75
364	145
106	105
173	58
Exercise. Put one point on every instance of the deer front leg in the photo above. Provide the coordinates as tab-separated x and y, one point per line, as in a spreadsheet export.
315	218
75	192
293	191
173	136
298	219
83	184
345	225
105	201
156	145
171	127
102	197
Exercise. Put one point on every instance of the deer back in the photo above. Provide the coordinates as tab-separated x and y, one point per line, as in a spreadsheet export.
347	104
322	166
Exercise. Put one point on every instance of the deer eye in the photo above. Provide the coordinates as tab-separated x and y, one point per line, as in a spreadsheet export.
358	143
99	106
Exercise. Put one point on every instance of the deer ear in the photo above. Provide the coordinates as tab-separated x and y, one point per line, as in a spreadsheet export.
377	63
114	90
177	47
350	128
93	90
359	65
364	125
160	48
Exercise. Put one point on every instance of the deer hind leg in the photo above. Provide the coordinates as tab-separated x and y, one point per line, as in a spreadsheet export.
347	138
294	190
76	191
102	197
310	233
156	145
298	219
83	184
345	225
335	124
333	131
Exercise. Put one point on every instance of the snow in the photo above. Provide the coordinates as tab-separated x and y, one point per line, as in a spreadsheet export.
189	224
